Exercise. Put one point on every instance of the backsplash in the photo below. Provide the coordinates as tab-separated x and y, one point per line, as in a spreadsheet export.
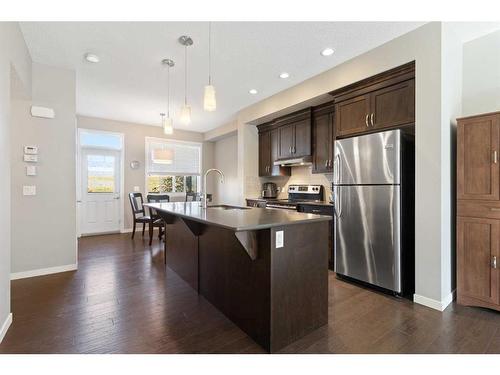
301	175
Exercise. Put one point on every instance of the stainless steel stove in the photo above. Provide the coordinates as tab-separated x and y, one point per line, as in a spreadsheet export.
298	194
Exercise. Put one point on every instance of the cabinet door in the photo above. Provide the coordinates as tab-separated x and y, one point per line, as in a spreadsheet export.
351	116
477	244
276	170
322	139
393	106
302	138
265	153
286	141
477	158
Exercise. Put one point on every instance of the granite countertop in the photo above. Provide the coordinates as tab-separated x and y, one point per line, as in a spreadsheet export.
247	218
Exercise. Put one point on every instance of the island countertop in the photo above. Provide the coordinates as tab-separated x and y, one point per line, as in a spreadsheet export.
240	219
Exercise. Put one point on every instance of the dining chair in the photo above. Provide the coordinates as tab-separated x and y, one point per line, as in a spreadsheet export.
136	202
156	220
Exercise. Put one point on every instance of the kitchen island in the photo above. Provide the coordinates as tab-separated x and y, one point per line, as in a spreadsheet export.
265	269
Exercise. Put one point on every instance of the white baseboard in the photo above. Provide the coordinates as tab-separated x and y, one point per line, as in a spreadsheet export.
43	271
5	326
434	304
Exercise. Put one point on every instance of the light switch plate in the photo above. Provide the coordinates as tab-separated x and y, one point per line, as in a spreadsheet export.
31	158
31	170
280	239
29	190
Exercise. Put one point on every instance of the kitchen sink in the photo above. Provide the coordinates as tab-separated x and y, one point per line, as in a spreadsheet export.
226	207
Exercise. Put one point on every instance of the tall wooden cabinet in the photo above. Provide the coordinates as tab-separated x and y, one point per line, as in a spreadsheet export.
323	138
478	210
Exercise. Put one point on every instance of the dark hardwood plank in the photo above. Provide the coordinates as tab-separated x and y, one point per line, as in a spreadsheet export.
122	299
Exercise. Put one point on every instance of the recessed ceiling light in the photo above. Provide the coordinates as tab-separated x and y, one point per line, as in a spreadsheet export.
252	91
284	75
90	57
327	52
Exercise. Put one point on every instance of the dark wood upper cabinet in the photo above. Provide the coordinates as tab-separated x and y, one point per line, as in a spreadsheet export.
302	136
477	243
393	106
286	141
323	140
478	164
352	115
265	153
386	100
268	154
294	134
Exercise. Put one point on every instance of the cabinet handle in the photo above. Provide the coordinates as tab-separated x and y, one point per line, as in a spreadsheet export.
294	149
366	121
494	262
495	157
326	163
371	118
494	209
290	149
330	163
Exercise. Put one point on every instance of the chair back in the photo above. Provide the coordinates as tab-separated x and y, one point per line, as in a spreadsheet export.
192	196
136	202
157	198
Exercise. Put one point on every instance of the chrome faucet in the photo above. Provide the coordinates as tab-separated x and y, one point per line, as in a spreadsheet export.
204	193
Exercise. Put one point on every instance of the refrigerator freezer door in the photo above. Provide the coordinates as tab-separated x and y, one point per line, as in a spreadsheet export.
367	234
368	159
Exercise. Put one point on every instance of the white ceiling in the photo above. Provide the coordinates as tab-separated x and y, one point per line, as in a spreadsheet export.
129	83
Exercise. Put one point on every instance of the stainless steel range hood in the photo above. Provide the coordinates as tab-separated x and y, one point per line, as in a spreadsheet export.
294	162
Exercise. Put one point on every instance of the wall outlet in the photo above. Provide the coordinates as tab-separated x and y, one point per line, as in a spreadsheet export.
137	189
29	190
280	240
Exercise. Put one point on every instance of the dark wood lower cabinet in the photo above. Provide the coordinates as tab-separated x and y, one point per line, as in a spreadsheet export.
478	251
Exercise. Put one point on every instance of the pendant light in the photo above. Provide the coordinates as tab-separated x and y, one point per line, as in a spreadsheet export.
186	41
209	102
166	122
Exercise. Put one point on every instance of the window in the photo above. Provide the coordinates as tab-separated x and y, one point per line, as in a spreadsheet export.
97	139
100	174
172	166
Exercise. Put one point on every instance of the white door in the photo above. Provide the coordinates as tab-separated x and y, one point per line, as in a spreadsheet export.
100	194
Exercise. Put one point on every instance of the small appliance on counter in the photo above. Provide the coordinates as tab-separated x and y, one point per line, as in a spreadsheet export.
269	190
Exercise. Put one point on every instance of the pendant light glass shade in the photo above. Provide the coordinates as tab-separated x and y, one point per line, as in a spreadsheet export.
209	101
168	127
186	114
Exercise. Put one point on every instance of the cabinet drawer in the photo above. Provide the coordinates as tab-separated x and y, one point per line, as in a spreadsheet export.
486	209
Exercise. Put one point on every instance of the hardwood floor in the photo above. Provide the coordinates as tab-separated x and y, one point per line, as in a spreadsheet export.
123	300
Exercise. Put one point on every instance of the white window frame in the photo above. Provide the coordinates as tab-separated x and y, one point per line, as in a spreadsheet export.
169	140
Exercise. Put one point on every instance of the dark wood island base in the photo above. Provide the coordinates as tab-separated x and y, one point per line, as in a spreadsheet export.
276	295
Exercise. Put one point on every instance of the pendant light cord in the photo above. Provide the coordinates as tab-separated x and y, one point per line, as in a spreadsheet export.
209	53
168	92
185	75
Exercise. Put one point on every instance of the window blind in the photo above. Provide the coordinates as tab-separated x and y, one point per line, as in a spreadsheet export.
186	158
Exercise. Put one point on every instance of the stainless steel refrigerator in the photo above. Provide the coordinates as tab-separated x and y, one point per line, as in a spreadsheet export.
374	210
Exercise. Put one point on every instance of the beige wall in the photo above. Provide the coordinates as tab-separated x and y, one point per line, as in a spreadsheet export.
50	216
135	135
15	82
481	76
225	157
